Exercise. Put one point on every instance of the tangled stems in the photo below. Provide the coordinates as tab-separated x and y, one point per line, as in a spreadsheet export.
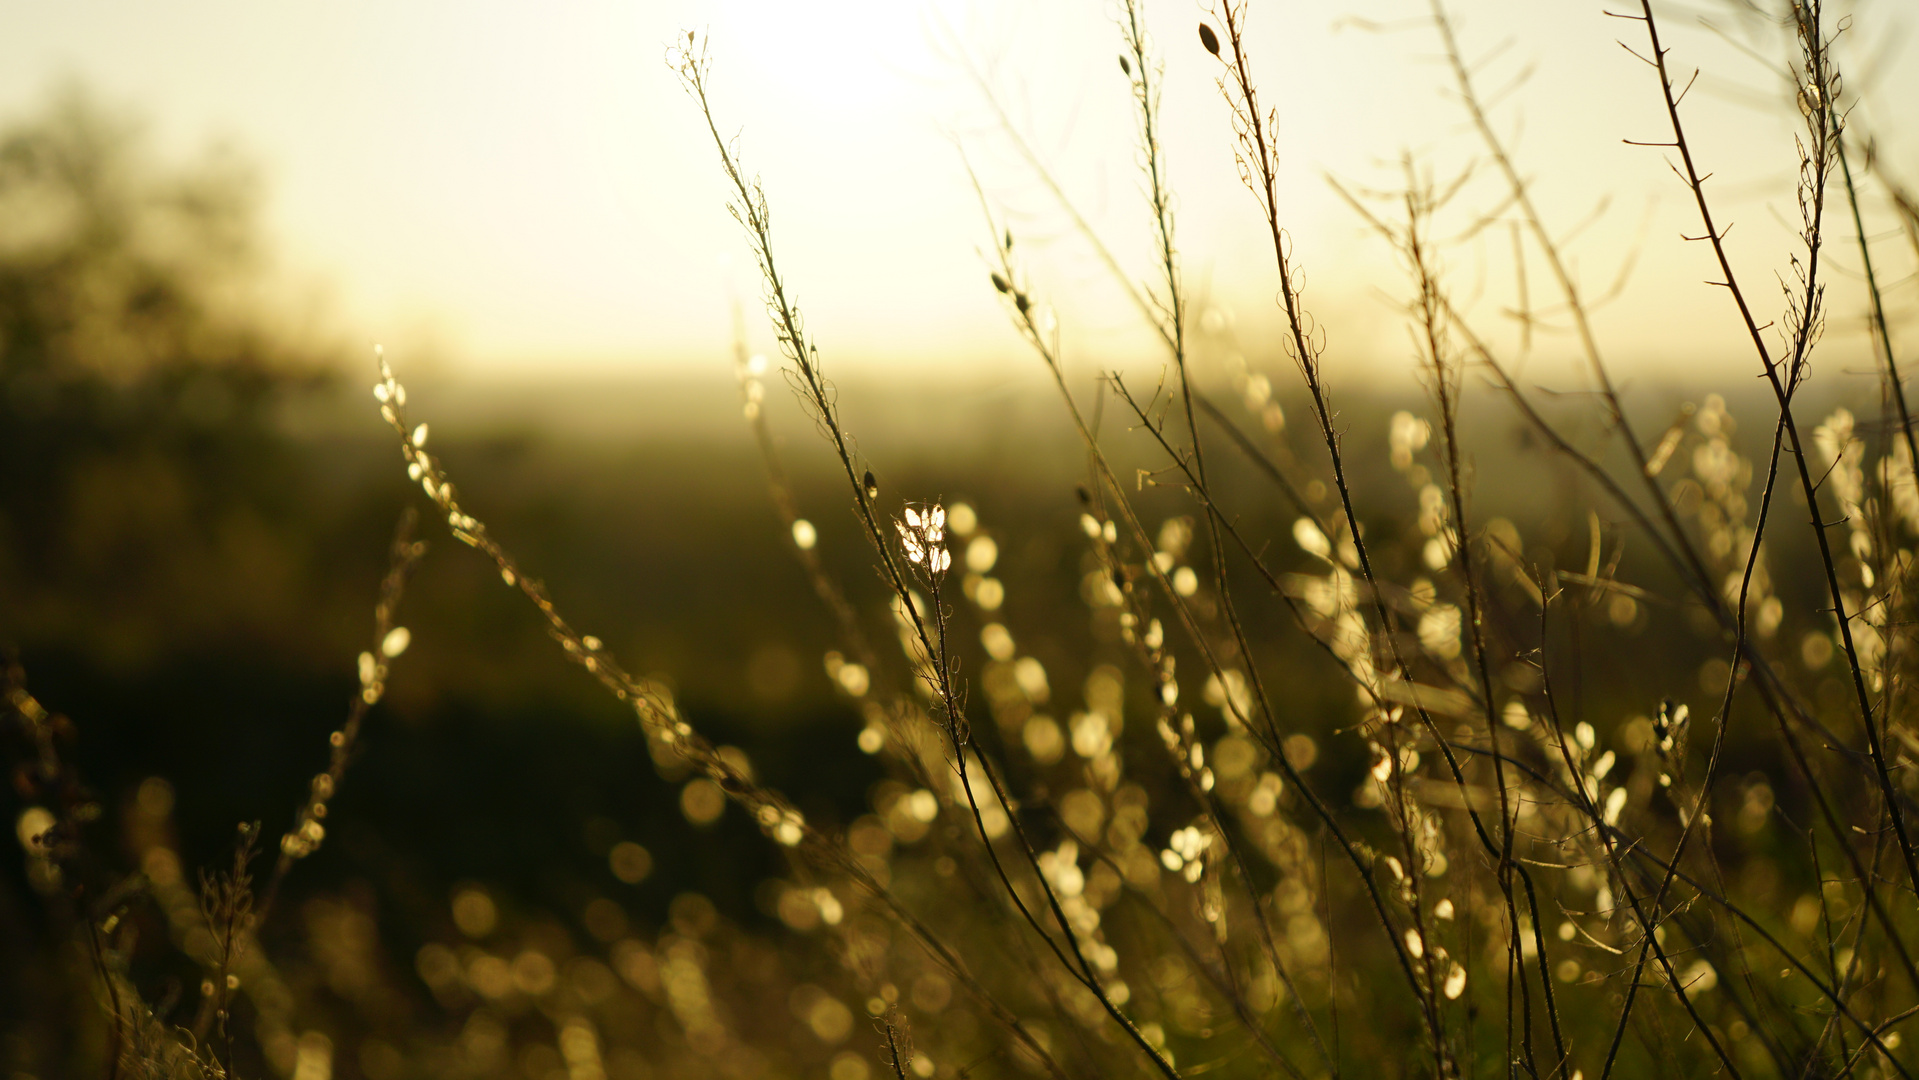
749	208
1816	98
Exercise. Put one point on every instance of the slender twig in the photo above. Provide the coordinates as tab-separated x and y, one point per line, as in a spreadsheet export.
404	555
1817	100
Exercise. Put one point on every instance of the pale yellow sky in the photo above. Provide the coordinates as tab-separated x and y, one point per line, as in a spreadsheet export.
517	187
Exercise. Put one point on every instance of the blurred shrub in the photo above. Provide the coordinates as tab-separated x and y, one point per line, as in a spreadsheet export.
140	473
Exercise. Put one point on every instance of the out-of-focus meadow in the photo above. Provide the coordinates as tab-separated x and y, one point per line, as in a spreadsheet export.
493	870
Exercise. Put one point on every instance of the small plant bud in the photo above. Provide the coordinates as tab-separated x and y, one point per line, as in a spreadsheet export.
1124	66
872	485
1085	496
1209	39
999	282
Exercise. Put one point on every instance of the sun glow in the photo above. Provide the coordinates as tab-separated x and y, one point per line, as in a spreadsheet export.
512	191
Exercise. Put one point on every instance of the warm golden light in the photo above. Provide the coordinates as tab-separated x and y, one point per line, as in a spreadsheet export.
517	189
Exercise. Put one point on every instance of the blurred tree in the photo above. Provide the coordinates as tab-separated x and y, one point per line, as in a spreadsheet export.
140	469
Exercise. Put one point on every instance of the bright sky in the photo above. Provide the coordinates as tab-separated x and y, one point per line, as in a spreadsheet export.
514	187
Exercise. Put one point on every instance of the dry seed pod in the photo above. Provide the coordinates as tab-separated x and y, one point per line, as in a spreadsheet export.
1209	39
872	485
1124	66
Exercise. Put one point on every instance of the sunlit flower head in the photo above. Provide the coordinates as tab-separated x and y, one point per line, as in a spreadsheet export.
922	535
